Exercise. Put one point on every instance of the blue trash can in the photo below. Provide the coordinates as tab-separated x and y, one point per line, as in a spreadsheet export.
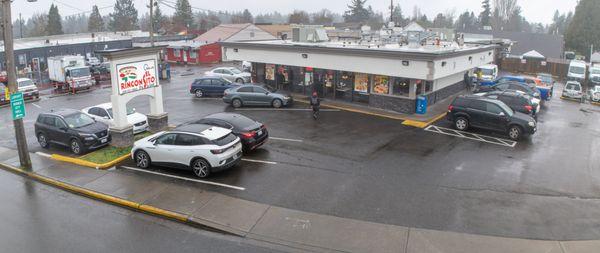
421	104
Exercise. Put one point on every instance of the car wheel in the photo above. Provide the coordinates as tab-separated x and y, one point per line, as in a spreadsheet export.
514	132
43	141
236	103
201	168
276	103
461	123
239	80
142	159
198	93
76	147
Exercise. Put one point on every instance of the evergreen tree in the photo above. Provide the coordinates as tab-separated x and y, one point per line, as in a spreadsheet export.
95	23
299	17
124	16
485	16
160	20
397	16
54	25
357	12
247	16
323	17
583	30
183	14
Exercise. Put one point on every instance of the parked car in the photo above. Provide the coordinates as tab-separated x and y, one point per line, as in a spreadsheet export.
546	88
104	113
573	90
250	94
594	93
71	128
480	112
202	148
252	133
577	71
3	99
231	74
512	86
210	86
516	100
28	88
101	72
594	75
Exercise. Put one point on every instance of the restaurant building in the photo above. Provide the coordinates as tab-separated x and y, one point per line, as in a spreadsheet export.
384	76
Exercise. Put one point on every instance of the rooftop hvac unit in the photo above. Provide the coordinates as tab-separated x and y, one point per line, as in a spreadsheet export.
309	34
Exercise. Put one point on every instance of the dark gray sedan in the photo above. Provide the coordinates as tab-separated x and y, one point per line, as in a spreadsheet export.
256	95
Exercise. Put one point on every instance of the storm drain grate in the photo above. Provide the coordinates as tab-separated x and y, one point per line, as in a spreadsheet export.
471	136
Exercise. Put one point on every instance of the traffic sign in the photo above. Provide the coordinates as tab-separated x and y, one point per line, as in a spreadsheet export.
17	104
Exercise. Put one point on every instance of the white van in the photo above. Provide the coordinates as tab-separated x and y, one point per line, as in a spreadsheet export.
577	71
489	72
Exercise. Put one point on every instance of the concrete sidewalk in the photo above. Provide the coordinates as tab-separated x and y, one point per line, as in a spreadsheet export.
183	201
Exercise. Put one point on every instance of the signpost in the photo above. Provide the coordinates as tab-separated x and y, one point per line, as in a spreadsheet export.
17	104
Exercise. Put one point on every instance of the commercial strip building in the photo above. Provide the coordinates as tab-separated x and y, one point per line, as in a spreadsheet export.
385	76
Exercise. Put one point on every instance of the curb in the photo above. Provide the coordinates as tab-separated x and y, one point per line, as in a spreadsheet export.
98	166
422	124
570	99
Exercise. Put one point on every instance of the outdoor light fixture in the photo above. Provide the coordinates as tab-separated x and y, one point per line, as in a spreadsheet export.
404	63
305	56
235	50
443	64
470	58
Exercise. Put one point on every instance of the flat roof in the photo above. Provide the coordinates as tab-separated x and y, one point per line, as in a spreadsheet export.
71	39
427	52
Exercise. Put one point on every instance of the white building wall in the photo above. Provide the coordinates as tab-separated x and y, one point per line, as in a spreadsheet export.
448	80
461	64
251	32
360	64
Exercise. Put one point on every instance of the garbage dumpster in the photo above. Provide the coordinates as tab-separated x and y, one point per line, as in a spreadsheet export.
421	104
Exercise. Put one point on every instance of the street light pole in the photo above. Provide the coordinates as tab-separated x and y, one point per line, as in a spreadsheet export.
151	23
9	57
20	26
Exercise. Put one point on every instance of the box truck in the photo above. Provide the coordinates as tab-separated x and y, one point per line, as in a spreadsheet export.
69	72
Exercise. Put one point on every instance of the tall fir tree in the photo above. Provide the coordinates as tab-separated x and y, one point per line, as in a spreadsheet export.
582	32
124	16
159	19
183	14
54	25
357	12
485	16
95	22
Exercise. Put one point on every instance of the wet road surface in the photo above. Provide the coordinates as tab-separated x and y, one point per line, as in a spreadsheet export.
369	168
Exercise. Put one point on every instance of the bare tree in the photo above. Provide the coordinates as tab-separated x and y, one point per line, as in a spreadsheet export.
506	8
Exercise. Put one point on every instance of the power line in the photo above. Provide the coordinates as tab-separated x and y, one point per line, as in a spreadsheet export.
68	5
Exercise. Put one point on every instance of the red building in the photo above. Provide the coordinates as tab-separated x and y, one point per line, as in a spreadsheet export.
193	52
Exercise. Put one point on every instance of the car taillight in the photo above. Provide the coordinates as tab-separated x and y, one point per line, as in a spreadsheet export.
247	135
529	108
263	127
217	151
450	107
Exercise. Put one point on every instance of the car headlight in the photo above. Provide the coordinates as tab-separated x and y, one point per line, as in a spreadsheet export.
531	123
286	97
87	137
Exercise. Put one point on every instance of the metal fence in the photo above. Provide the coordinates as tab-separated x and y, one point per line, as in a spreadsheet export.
555	67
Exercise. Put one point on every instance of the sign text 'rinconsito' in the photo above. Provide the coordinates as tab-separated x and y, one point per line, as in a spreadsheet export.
135	76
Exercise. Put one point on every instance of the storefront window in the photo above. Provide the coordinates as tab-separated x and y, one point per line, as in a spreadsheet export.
428	86
419	84
177	53
270	72
361	83
401	87
381	85
343	88
193	54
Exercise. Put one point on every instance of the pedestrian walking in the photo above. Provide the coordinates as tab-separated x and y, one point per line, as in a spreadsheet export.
467	80
315	103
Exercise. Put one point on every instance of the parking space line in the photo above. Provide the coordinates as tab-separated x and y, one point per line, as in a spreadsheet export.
185	178
257	161
285	139
43	154
34	104
284	109
471	136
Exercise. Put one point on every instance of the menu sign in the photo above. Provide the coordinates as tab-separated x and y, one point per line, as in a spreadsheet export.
136	76
381	85
361	83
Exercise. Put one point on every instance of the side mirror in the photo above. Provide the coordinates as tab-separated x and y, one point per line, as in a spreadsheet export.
64	128
105	117
501	114
267	93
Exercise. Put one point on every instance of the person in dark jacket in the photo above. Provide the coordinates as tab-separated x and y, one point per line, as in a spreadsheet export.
315	103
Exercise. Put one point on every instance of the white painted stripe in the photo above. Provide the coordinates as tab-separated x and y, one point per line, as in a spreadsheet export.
43	154
34	104
285	109
257	161
471	136
284	139
186	179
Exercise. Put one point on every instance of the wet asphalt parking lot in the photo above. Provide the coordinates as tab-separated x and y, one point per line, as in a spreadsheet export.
369	168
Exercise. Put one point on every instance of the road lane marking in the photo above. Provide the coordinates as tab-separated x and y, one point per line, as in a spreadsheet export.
285	109
187	179
43	154
257	161
285	139
471	136
34	104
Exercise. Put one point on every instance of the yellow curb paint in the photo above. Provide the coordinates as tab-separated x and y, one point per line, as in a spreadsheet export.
81	162
595	103
570	99
97	195
413	123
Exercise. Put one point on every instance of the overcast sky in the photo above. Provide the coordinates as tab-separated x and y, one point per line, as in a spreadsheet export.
533	10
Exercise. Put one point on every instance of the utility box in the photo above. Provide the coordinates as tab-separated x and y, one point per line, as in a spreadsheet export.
421	105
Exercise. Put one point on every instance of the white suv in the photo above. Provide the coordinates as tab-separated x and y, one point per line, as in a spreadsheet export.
231	74
573	90
203	148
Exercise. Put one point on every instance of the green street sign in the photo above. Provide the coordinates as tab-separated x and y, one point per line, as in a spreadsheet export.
17	104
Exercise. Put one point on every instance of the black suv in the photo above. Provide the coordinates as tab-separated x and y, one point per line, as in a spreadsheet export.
71	128
517	101
510	86
480	112
252	133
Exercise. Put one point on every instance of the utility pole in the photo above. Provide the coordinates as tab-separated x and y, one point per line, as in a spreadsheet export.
9	57
152	23
20	26
392	11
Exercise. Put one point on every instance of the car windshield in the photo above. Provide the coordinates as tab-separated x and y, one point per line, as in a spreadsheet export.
77	120
226	81
545	78
129	111
224	140
269	88
572	86
80	72
26	83
487	72
577	70
595	71
235	71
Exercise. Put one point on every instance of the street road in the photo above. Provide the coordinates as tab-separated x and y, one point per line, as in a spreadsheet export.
38	218
375	169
